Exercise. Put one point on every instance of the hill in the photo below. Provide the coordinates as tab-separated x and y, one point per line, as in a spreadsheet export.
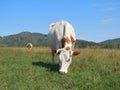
113	43
83	43
23	38
37	39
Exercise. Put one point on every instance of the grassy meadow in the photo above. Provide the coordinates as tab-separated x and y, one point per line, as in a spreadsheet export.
93	69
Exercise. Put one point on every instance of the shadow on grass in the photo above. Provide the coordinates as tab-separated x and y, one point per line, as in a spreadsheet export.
49	66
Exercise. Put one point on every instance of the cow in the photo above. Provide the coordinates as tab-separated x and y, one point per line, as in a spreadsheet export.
61	38
29	45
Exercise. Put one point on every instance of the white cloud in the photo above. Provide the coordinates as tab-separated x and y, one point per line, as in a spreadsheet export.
109	9
107	21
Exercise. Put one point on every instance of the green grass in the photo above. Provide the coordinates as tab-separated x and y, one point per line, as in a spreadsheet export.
93	69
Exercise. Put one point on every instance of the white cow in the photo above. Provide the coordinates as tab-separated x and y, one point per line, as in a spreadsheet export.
62	39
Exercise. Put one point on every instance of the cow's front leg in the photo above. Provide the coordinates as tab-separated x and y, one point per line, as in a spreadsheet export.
53	57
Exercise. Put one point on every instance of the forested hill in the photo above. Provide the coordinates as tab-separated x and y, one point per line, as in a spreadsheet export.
21	39
113	43
37	39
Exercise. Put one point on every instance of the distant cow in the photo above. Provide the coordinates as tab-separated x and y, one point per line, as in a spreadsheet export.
29	45
62	40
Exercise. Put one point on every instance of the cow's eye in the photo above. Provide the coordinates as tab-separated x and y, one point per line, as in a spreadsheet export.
68	60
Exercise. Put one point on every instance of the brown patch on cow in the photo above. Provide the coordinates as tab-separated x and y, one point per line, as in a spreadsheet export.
67	40
67	48
72	39
63	42
76	53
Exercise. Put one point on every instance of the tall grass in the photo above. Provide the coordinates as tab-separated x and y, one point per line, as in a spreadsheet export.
93	69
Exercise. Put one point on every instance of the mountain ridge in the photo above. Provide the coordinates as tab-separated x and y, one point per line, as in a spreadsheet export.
39	39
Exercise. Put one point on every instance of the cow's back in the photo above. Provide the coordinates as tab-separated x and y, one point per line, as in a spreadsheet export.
57	32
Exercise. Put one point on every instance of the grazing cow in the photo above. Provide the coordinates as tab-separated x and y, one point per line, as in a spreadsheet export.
29	45
62	39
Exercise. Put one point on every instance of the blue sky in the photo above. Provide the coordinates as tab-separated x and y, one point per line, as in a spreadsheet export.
93	20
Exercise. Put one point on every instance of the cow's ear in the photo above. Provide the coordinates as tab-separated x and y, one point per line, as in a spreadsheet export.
58	51
74	53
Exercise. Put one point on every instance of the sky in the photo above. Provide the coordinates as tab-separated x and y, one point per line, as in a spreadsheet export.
93	20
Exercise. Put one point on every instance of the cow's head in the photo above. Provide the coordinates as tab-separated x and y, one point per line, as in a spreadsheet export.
65	59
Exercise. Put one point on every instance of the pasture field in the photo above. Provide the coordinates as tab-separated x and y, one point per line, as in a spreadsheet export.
93	69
